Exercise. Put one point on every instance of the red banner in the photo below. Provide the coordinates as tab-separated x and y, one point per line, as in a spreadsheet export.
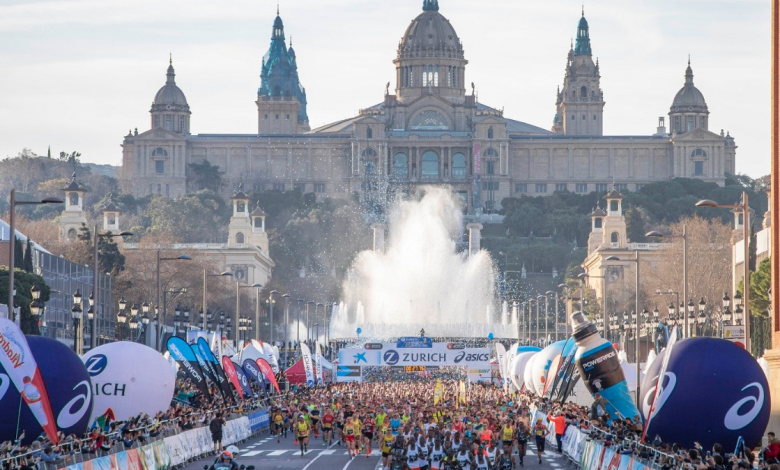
230	371
268	371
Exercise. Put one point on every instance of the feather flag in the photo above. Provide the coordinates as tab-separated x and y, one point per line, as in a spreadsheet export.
438	392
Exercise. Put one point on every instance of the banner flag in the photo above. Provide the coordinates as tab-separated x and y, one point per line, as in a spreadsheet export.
438	392
510	356
232	375
462	393
271	357
318	357
19	363
268	372
501	356
242	379
183	355
253	371
552	374
218	372
308	367
205	365
568	366
193	335
660	384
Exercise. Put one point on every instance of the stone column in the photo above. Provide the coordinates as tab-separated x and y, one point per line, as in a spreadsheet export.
475	237
379	237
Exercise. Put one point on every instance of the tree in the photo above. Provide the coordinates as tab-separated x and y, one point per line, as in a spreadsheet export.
70	158
18	253
24	282
752	247
635	225
28	262
207	176
760	283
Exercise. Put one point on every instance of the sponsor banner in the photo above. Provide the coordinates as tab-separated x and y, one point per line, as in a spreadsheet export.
230	372
222	380
268	372
253	372
308	367
735	334
243	380
204	364
479	374
414	342
349	374
271	357
182	353
439	354
259	420
501	356
20	367
318	361
194	335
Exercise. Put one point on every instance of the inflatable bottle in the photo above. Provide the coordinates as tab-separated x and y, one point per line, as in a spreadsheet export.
600	369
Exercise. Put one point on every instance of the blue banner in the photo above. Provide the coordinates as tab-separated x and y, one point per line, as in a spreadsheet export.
259	420
414	342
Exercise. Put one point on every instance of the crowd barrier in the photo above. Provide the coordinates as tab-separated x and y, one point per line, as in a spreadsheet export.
173	451
589	454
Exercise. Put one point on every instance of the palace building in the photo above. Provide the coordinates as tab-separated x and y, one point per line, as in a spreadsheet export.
429	129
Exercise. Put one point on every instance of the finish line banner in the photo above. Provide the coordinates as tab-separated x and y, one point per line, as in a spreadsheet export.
438	354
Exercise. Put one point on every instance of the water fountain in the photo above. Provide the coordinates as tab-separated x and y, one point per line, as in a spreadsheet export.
421	281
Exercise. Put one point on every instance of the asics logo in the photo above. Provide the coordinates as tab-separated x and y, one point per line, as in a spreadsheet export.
733	420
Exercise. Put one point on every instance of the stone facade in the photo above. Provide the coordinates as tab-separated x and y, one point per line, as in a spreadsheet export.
429	130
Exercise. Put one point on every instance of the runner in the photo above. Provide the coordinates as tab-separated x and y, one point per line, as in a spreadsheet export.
351	431
368	433
387	445
302	430
314	416
278	420
327	427
521	436
540	432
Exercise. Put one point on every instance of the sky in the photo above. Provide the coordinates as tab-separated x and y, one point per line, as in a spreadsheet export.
76	75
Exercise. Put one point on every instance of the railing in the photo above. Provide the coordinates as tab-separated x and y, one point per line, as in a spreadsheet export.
75	451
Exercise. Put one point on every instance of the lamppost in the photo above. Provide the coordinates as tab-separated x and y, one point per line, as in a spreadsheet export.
684	237
285	343
163	321
160	259
318	323
238	302
121	317
145	307
134	322
75	313
36	306
94	302
547	316
726	316
298	320
702	318
539	297
308	323
12	244
521	321
205	308
636	307
745	209
271	302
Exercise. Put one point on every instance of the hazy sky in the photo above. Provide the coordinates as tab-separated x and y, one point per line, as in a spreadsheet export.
77	74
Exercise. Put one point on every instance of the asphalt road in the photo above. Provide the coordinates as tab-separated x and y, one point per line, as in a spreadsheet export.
265	453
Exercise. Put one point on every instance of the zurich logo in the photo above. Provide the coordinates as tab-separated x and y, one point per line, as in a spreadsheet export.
96	364
460	357
391	357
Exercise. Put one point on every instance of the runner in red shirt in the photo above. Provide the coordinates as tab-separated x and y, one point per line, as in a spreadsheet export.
327	427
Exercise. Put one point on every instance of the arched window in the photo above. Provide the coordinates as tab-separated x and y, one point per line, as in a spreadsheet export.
430	165
614	238
583	92
490	153
74	199
597	222
369	133
490	133
436	75
429	120
613	206
239	238
159	152
458	165
72	234
401	165
369	152
699	154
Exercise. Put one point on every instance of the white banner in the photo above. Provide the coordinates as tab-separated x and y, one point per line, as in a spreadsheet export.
307	364
318	359
439	354
501	356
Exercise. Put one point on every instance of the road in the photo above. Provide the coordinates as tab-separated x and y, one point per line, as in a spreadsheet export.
264	453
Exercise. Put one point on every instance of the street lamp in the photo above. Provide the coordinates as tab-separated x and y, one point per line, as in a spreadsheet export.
684	237
12	243
160	259
36	306
75	313
94	302
271	303
205	308
539	297
743	207
238	302
308	317
636	309
286	321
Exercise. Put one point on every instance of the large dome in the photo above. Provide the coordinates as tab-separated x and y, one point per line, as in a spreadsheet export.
689	98
430	35
170	94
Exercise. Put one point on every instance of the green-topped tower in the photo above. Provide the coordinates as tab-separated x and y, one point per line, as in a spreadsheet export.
580	103
281	99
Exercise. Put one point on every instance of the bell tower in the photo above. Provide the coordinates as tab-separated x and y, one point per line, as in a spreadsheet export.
580	104
259	237
72	217
614	225
240	227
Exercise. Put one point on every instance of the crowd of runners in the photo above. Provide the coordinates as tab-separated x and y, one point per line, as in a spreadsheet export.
484	430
